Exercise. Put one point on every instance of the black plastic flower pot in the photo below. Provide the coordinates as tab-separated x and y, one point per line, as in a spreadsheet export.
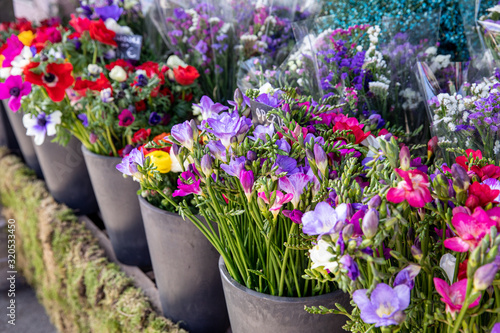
66	175
119	206
7	137
24	141
251	311
185	267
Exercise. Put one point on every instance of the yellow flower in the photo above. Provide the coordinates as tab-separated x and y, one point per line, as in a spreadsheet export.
161	160
26	37
2	58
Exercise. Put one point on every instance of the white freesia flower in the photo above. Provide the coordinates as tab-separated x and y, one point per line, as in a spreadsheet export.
267	88
448	263
320	256
118	74
112	25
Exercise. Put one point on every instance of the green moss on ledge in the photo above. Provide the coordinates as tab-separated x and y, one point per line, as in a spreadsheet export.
80	288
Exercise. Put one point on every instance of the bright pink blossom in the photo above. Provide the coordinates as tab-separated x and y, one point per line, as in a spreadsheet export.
14	89
280	200
480	195
414	188
453	296
13	49
470	230
187	184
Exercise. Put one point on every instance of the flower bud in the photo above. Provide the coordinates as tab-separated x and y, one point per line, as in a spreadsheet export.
94	69
416	252
206	165
247	180
194	128
93	138
404	158
484	276
251	155
118	74
348	231
320	158
370	223
461	180
375	201
238	96
432	146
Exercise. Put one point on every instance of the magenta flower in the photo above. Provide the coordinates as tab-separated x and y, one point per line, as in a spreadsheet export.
470	230
247	179
187	184
453	296
126	118
14	89
385	306
14	48
294	215
414	188
295	185
280	200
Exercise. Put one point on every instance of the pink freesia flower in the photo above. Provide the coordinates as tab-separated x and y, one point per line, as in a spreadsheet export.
470	230
14	89
13	49
414	188
280	200
187	184
453	296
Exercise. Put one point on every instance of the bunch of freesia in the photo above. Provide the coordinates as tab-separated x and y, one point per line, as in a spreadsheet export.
256	183
419	251
469	118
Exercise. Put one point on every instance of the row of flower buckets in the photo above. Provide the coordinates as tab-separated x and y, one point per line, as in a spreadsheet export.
194	285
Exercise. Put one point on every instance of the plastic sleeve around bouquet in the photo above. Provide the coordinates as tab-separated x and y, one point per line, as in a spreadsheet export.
462	114
200	33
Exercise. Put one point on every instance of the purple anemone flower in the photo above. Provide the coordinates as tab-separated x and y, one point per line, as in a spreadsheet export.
228	126
187	184
84	119
235	166
209	108
129	163
154	118
323	219
14	89
113	12
41	125
294	184
385	306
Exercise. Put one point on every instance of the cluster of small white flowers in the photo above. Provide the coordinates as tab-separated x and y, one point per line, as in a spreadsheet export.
384	79
481	90
453	104
495	9
467	142
442	140
195	18
379	88
440	61
496	148
452	127
214	20
270	20
430	51
248	38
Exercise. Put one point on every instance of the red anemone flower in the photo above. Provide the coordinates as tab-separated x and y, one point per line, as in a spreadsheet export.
56	79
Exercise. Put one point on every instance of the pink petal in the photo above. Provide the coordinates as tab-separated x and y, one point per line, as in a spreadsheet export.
441	287
415	199
396	195
15	103
456	244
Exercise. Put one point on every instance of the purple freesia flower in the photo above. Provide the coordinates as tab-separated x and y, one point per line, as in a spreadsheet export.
228	126
209	108
184	134
41	125
283	145
236	165
187	184
268	100
323	219
14	89
84	119
286	164
261	131
407	276
114	12
294	215
217	149
13	49
386	305
350	265
294	184
129	163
